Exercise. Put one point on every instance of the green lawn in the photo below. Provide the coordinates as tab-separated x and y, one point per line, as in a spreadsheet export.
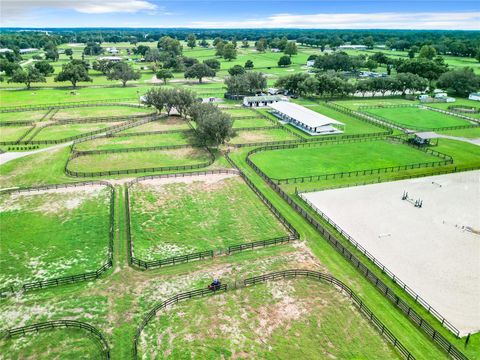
417	118
139	160
251	122
53	344
459	102
256	136
22	115
472	133
177	218
170	123
354	104
298	319
12	133
239	112
100	111
122	142
334	158
59	132
53	234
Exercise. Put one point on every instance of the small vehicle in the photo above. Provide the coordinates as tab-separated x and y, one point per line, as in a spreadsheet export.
215	285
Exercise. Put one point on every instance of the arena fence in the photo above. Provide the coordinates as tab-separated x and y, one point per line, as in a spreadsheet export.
390	294
446	160
92	275
280	275
293	234
61	324
465	109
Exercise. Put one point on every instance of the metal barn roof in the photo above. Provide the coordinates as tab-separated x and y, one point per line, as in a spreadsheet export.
300	113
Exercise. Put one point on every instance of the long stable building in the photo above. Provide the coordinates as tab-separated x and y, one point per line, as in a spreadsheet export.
305	119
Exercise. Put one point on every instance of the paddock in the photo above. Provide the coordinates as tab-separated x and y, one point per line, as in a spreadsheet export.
434	249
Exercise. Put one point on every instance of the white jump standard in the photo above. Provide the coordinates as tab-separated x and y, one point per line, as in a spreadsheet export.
305	119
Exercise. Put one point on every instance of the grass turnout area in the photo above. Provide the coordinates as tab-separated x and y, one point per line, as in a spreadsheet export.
100	111
334	158
269	321
177	217
170	123
251	122
139	159
53	233
239	112
12	133
59	132
123	142
257	136
23	115
417	117
53	344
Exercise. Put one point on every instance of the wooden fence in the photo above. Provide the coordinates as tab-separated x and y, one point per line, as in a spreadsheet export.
61	324
72	104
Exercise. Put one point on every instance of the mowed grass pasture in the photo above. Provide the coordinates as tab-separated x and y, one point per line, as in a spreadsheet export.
190	156
161	124
65	131
417	117
260	136
336	158
53	233
100	111
187	215
309	319
12	133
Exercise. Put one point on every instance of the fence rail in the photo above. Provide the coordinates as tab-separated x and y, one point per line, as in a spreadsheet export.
390	294
65	105
364	310
209	253
71	279
60	324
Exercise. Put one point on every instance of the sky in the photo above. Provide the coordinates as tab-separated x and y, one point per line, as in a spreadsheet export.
321	14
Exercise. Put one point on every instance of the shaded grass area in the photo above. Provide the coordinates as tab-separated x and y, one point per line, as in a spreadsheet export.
53	344
333	158
254	136
302	318
139	159
179	218
58	233
170	123
12	133
422	118
58	132
122	142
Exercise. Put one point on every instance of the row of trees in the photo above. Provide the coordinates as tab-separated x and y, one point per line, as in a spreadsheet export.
214	127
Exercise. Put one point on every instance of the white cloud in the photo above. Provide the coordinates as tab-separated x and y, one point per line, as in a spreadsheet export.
451	20
18	8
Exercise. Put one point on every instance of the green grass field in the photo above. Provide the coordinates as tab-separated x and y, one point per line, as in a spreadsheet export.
12	133
170	123
52	344
334	158
59	132
256	136
22	115
139	159
171	218
417	118
472	133
251	122
459	102
123	142
100	111
239	112
269	321
53	234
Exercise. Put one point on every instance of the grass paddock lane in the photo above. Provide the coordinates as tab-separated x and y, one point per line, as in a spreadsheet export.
170	123
334	158
256	136
180	216
59	132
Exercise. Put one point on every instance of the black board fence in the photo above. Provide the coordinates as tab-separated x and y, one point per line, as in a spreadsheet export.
71	279
281	275
384	269
445	160
61	324
387	292
202	255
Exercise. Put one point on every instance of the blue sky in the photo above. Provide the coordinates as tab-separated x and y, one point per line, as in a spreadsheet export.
420	14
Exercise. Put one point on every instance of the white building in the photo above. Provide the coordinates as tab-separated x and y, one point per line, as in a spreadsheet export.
352	47
27	51
264	100
5	50
112	50
310	63
474	96
110	58
275	50
305	119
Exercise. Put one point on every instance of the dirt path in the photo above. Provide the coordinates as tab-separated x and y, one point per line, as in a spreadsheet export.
12	155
